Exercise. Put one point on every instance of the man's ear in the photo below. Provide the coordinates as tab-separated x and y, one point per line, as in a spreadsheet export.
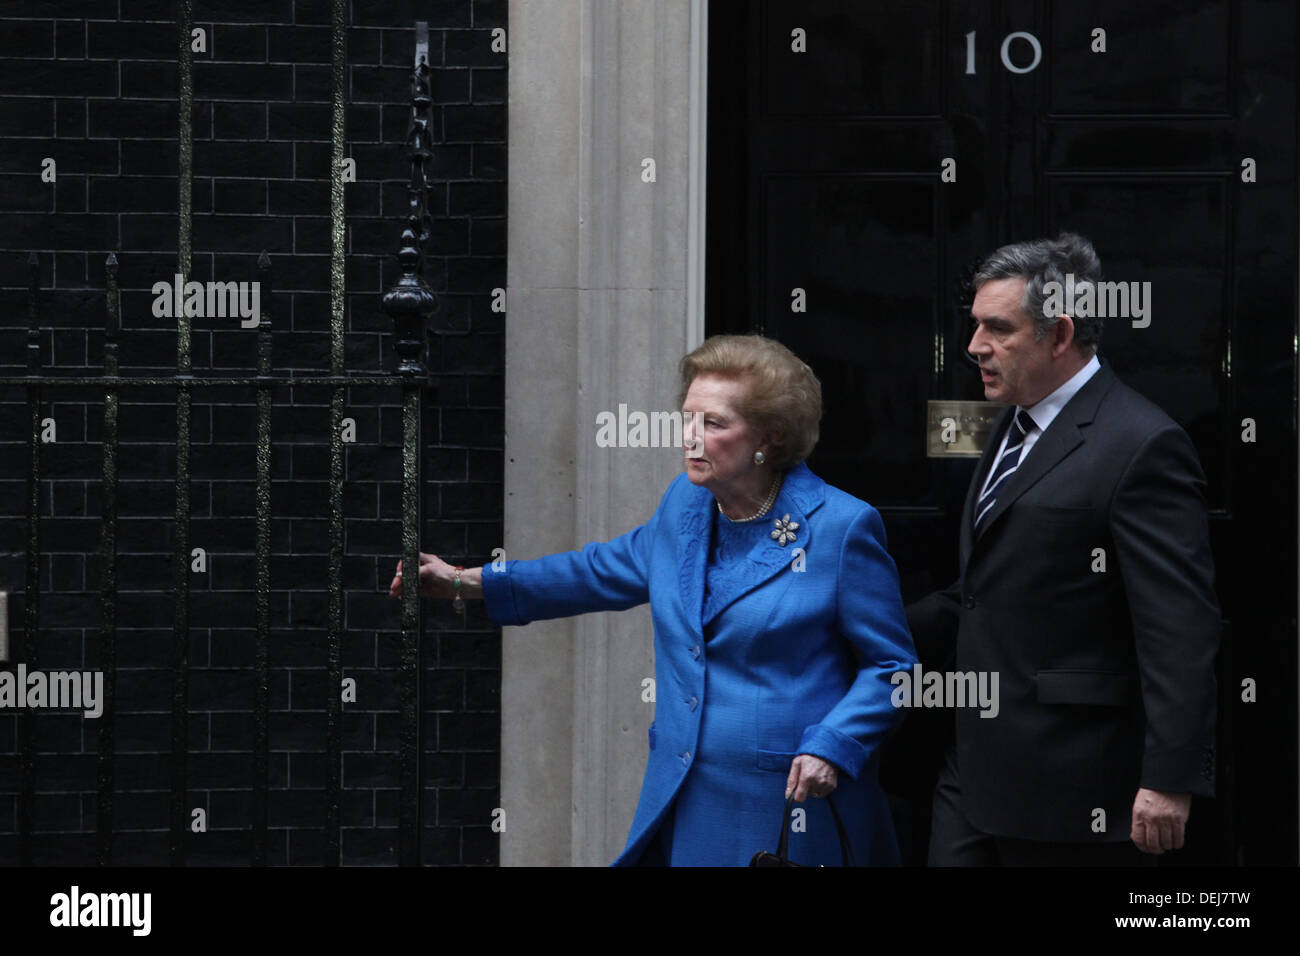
1062	336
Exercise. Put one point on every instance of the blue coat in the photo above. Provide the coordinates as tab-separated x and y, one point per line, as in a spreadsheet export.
796	660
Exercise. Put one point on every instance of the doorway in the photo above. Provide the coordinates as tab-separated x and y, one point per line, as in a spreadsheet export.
863	157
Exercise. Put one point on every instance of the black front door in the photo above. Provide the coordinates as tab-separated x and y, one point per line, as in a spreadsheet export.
862	156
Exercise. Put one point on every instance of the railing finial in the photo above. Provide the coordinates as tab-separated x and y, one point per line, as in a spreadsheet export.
410	300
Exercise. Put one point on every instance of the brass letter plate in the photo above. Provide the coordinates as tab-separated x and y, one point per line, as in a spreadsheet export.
959	429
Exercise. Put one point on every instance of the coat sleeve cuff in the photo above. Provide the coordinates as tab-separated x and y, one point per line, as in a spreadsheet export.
499	596
847	754
1187	770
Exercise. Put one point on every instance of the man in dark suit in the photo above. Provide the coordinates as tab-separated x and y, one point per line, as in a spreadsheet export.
1086	585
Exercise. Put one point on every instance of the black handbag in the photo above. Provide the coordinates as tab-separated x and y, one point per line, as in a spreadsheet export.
782	858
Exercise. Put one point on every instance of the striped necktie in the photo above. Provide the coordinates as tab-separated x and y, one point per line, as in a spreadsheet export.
1006	465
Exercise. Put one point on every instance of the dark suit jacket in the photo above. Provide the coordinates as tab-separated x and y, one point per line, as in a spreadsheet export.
1106	677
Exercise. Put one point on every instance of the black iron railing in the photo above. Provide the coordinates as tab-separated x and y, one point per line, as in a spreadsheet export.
409	303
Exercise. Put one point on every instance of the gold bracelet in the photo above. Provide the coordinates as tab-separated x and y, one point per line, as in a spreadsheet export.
457	602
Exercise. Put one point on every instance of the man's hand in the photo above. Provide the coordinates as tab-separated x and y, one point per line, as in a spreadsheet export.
1159	819
810	777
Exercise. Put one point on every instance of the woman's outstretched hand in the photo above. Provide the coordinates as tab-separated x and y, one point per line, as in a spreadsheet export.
430	578
436	577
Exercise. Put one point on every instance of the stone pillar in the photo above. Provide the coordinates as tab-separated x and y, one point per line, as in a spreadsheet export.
604	297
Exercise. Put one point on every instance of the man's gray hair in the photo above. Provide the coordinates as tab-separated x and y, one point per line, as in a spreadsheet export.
1039	262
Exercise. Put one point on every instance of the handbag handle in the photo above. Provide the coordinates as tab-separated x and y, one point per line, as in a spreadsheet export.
783	843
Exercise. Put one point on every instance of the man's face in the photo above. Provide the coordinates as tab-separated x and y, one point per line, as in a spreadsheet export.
1015	369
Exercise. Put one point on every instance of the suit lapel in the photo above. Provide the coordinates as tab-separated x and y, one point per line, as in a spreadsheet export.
692	554
1049	450
977	482
801	494
1062	437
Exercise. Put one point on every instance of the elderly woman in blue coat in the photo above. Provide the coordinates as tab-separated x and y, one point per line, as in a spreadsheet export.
777	625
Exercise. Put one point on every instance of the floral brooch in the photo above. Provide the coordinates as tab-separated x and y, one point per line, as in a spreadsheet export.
785	529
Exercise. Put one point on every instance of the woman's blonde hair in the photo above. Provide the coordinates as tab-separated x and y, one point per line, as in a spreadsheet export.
780	394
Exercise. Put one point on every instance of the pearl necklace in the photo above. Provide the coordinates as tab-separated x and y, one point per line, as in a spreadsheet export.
767	503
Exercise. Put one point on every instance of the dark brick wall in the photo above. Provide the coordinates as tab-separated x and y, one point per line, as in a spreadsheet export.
94	85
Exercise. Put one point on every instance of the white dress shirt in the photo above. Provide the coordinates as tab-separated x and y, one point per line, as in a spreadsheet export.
1044	413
